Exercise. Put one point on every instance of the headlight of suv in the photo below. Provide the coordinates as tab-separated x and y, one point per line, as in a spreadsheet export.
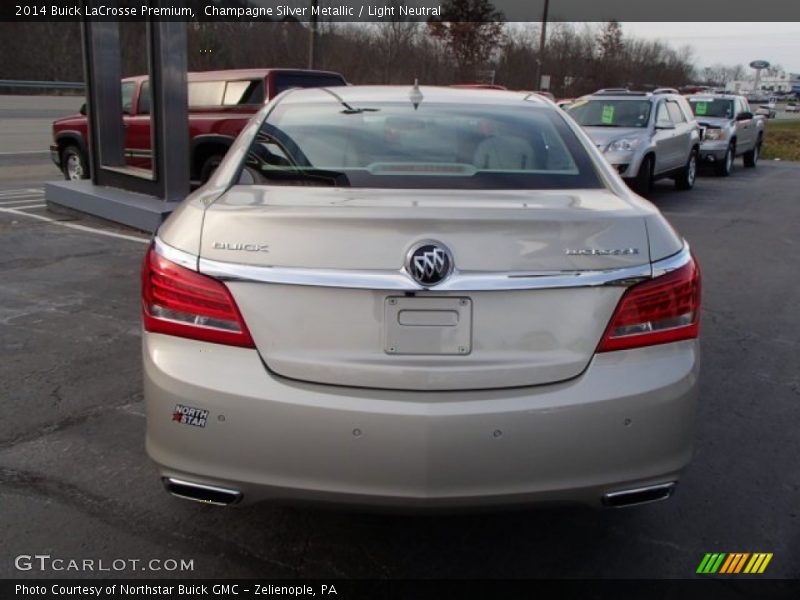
715	134
624	145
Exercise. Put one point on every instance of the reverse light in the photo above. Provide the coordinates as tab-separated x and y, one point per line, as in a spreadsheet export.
181	302
657	311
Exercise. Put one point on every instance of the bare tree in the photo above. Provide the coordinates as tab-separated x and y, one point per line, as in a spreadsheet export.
471	30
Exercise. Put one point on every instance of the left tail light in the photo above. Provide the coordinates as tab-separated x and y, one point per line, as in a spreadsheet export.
181	302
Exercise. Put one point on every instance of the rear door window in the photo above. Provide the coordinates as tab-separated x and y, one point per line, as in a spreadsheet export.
250	91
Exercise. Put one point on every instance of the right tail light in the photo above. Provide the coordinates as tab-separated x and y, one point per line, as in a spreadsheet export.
657	311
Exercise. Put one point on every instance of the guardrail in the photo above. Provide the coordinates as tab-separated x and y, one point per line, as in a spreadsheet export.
55	85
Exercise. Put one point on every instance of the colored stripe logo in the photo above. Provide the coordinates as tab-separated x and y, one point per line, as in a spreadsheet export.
734	563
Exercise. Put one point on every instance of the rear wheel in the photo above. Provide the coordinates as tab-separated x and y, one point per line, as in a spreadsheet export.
642	184
751	158
725	166
74	164
209	166
685	180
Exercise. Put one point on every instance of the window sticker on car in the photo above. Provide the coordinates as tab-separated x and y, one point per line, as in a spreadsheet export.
608	115
701	108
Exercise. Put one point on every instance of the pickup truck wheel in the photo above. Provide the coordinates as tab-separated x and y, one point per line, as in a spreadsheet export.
209	166
685	180
73	164
642	184
725	166
751	158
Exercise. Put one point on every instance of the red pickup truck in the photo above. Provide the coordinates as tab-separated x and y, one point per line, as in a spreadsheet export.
220	104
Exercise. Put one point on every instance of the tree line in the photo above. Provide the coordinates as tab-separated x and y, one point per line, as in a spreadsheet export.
579	58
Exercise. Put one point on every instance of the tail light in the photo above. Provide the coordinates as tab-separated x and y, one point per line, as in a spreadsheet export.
661	310
181	302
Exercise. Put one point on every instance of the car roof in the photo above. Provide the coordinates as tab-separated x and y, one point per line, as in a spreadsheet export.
715	96
404	93
234	74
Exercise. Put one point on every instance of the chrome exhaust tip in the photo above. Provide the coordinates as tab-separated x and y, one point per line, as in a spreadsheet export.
640	495
207	494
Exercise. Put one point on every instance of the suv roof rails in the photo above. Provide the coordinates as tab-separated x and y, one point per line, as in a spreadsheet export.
618	92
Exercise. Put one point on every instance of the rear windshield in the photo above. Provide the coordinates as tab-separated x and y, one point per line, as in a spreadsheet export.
400	145
611	113
712	107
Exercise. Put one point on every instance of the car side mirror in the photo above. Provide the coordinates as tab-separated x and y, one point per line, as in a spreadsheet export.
83	109
744	116
663	124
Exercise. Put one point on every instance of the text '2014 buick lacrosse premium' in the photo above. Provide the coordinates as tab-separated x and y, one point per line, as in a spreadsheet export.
419	297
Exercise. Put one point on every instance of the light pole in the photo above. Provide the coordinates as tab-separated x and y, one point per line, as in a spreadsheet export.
312	35
542	41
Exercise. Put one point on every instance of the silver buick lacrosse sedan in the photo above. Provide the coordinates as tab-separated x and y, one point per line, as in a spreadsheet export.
418	297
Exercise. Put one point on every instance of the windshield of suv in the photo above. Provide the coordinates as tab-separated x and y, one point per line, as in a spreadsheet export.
712	107
430	145
611	113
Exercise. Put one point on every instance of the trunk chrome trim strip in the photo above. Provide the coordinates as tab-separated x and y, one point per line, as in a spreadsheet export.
400	280
184	259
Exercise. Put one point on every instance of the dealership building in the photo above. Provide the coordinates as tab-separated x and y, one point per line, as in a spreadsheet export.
781	81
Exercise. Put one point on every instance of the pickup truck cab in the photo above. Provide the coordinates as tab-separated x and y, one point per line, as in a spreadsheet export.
730	129
220	105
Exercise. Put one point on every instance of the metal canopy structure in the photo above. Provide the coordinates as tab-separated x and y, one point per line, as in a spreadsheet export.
116	191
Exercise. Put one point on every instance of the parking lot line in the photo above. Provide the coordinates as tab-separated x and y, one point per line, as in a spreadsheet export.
121	236
40	205
21	192
12	203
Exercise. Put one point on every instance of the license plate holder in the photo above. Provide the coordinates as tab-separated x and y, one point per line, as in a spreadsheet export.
427	325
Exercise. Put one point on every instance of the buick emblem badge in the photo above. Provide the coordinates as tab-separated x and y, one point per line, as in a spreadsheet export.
429	263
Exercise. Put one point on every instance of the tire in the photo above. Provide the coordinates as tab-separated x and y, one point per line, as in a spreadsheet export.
724	167
209	166
685	180
751	158
74	165
642	184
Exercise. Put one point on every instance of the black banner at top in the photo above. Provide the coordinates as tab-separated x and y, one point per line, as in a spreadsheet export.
400	10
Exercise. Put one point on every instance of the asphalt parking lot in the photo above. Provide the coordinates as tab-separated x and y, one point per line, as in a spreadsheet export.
75	481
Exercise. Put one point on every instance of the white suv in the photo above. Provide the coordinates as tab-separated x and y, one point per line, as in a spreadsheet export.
645	136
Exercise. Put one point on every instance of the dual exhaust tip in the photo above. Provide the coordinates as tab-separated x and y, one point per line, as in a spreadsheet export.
641	495
219	496
207	494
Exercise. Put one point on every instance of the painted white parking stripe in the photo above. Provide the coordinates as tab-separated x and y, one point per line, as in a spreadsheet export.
4	194
20	200
120	236
41	205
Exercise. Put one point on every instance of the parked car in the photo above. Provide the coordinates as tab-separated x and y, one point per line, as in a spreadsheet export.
645	136
419	297
792	107
729	130
220	104
770	109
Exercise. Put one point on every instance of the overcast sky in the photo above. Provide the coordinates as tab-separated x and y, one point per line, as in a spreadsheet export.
729	43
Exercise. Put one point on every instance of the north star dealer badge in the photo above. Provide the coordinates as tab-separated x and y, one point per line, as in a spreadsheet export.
188	415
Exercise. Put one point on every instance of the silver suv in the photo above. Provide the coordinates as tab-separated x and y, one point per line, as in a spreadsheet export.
645	136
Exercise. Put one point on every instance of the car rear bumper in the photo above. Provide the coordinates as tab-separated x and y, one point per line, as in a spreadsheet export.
627	421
